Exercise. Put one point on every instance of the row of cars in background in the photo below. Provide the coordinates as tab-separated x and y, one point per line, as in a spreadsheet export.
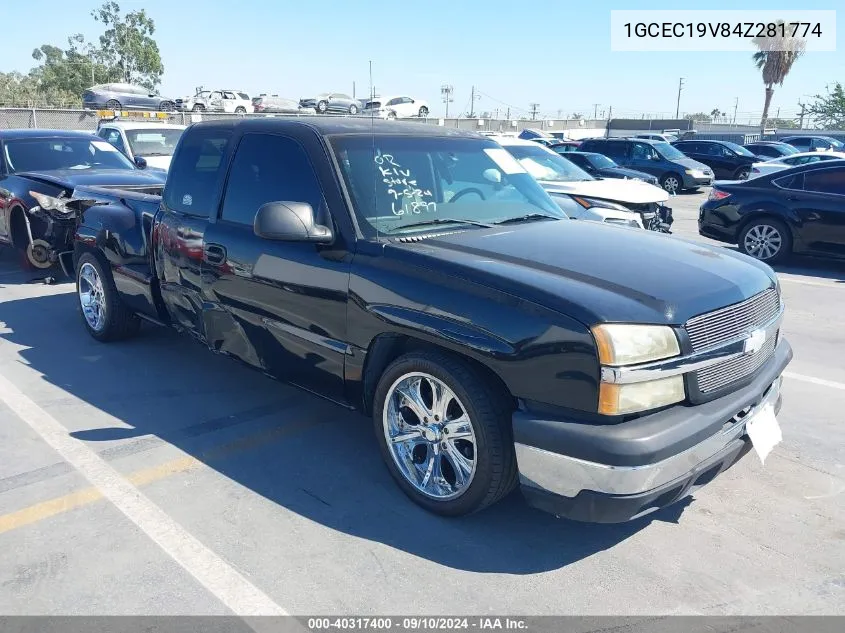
119	96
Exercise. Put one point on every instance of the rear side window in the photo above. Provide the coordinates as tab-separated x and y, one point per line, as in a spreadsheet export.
825	181
196	171
270	168
614	149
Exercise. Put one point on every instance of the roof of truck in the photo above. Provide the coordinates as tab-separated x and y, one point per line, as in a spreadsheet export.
326	124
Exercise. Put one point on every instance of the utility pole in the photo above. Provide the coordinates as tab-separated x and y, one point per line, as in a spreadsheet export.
596	110
777	116
534	107
801	117
736	105
446	91
353	89
610	112
678	106
472	103
508	115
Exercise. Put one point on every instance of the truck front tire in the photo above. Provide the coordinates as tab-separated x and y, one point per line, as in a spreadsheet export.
105	316
444	433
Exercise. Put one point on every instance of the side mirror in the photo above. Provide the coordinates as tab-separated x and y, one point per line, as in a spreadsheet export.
290	222
492	175
141	162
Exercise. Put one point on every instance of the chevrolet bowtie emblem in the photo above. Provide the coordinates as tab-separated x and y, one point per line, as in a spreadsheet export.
754	342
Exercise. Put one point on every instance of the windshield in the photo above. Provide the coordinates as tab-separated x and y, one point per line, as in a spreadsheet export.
396	181
739	149
153	141
667	151
43	154
600	161
836	144
547	166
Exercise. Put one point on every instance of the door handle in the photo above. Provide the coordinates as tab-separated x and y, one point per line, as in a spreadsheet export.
214	254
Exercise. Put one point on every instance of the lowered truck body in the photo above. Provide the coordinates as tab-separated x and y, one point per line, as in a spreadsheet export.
421	276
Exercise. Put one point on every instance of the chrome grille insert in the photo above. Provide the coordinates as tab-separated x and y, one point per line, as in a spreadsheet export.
732	321
726	324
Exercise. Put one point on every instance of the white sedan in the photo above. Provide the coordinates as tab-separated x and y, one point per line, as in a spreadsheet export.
393	107
785	162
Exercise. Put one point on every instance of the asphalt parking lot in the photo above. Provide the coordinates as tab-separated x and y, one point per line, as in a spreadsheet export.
218	491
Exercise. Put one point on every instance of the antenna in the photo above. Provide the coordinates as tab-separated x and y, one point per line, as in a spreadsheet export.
373	132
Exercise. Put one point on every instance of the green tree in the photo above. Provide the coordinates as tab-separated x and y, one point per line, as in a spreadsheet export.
715	113
127	45
698	116
828	111
69	72
774	59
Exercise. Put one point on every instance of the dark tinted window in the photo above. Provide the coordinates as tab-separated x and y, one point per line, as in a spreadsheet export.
579	160
642	151
688	147
765	150
196	171
113	137
614	149
800	142
268	168
826	181
792	181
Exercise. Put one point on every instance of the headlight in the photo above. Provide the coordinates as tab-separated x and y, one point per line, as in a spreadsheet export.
627	344
695	173
640	396
622	222
588	203
51	203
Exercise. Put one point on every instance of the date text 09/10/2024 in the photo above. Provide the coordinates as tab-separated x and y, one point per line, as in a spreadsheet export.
416	623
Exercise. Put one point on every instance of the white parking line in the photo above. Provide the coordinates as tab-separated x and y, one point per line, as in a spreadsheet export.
222	580
815	381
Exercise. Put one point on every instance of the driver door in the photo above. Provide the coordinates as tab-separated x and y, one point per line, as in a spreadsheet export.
215	101
277	305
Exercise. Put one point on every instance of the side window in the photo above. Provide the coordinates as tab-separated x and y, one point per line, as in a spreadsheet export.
641	151
613	150
269	168
800	142
792	181
113	137
196	171
826	181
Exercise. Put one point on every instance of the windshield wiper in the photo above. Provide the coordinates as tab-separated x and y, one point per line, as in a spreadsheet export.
531	217
444	221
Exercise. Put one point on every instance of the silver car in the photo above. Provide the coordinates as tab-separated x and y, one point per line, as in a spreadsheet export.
120	96
333	102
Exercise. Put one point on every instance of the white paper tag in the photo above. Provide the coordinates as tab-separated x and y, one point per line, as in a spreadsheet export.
505	160
764	431
103	146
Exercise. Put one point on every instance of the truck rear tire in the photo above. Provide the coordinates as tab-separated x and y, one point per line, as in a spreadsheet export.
444	433
103	312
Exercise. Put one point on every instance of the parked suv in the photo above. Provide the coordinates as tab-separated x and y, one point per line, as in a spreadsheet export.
675	172
728	161
810	143
764	150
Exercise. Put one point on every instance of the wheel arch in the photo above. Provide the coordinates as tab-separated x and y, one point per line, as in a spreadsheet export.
388	346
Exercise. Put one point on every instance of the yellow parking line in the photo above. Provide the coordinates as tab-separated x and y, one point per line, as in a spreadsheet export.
87	496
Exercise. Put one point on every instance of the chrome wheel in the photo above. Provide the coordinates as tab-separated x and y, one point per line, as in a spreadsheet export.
763	241
430	436
92	297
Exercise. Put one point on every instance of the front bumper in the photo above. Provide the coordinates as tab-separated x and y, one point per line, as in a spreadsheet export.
702	181
618	472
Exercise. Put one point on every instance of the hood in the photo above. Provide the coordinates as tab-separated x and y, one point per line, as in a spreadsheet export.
689	163
594	272
614	189
70	178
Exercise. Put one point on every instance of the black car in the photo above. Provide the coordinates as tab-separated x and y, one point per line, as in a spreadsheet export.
799	210
420	275
41	168
766	150
811	143
604	167
728	161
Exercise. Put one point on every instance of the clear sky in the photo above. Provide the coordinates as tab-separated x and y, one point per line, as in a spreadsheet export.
552	52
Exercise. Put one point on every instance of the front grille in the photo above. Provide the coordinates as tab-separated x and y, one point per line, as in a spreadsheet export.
717	376
726	324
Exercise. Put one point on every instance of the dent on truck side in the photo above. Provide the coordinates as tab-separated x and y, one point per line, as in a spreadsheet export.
537	354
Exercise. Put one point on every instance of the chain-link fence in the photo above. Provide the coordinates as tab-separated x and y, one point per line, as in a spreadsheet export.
15	118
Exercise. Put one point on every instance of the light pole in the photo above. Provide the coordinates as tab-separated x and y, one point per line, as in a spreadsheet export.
678	106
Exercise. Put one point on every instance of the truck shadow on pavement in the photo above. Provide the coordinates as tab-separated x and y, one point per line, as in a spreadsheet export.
310	457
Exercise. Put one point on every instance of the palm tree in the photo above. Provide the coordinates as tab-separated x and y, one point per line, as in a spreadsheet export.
775	58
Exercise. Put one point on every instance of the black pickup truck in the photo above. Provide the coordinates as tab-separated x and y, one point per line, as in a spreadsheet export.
420	275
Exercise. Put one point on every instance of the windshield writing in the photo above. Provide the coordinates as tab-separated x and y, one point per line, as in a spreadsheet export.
397	182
